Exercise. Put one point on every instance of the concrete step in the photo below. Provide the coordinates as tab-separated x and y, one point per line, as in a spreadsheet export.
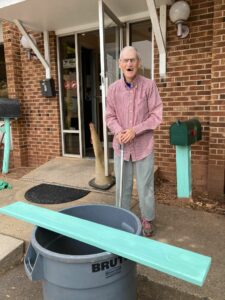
11	252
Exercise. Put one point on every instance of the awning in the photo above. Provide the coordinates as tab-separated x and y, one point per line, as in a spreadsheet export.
62	16
77	15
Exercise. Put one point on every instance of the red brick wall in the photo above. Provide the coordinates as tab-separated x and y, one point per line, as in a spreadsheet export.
36	135
15	90
216	168
195	87
186	90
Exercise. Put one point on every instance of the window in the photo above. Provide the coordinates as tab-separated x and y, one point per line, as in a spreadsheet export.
3	79
141	39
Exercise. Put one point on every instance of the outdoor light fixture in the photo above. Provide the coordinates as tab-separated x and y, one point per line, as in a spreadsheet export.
179	13
26	45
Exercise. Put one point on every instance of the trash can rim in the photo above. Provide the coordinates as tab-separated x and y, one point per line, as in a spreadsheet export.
75	258
66	257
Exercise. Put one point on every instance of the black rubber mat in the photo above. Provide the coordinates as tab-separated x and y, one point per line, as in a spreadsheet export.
53	194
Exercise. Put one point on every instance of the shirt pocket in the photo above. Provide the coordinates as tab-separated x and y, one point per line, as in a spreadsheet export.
142	108
121	107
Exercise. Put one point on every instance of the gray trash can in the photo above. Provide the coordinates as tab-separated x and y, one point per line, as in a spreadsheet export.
72	270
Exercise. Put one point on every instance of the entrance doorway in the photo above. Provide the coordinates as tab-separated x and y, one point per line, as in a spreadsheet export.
82	84
90	82
88	44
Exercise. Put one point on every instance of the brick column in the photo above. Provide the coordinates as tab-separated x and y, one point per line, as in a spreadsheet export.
216	165
36	134
15	90
186	90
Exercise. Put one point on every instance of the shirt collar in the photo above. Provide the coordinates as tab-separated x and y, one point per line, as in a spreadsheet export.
131	85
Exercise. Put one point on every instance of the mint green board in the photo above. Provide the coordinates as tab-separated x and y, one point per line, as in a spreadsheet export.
183	167
178	262
6	155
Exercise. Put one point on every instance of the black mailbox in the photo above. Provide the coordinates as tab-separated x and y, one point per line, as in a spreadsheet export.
185	133
47	87
9	108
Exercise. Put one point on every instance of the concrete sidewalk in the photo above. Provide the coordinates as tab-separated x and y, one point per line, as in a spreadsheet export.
183	227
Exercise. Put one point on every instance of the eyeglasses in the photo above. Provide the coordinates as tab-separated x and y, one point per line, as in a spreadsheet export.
126	60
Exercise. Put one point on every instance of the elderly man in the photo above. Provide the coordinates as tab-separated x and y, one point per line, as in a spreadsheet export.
134	110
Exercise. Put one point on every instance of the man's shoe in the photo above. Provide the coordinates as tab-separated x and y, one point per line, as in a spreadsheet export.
147	228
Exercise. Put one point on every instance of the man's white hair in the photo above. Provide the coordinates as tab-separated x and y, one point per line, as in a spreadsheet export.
130	48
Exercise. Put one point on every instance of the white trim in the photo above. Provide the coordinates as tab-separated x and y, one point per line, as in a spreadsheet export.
1	34
153	56
135	17
78	94
32	45
128	34
162	65
71	131
103	82
60	96
95	26
71	155
162	56
163	11
156	26
160	40
5	3
121	39
47	54
78	29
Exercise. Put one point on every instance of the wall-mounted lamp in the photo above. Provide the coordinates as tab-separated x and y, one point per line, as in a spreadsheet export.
26	45
179	13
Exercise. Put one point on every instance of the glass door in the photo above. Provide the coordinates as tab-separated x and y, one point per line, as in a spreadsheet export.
3	77
110	34
71	137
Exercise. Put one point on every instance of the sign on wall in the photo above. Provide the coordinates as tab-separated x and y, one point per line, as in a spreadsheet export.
69	63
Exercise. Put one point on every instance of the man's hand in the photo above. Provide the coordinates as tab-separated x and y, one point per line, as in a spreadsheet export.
119	137
127	135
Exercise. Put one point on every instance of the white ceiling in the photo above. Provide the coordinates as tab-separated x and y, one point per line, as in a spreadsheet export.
70	15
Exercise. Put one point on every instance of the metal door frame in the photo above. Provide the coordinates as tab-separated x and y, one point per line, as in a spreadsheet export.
104	9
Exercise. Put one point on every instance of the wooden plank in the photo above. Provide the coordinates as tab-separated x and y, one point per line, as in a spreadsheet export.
178	262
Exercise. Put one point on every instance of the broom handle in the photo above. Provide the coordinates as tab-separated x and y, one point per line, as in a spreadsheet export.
121	174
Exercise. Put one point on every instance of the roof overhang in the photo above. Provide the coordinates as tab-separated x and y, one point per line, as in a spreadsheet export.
59	16
68	16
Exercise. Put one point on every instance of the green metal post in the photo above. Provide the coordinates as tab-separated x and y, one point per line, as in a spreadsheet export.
5	165
183	168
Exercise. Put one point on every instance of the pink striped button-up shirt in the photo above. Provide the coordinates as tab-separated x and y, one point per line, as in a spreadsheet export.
138	107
